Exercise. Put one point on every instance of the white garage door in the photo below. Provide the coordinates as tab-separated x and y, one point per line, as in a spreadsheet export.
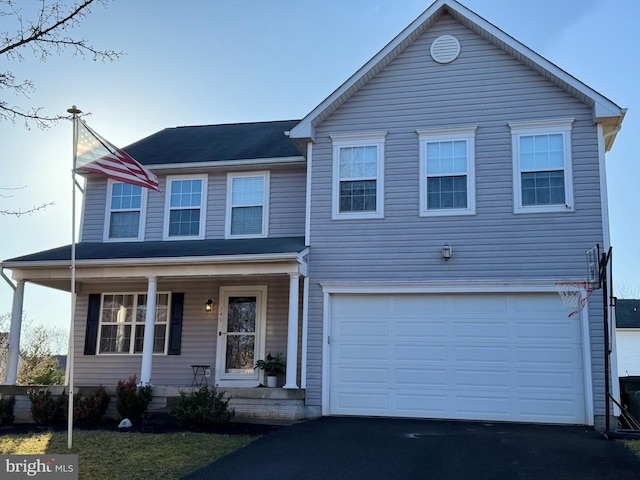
514	357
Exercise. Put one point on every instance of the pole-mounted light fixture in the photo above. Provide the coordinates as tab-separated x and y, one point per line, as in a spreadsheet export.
446	252
208	307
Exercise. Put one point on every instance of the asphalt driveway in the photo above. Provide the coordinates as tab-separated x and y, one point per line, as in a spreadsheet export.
377	448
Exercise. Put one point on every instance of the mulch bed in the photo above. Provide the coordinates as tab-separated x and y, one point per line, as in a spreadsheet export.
234	428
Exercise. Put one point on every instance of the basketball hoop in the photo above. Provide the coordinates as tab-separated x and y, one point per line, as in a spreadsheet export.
571	295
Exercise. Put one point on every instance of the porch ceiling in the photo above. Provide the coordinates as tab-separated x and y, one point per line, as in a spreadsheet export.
167	259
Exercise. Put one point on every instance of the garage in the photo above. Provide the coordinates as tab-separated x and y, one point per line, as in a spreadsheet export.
503	356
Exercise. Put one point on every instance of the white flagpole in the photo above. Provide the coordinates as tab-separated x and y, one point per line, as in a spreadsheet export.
70	354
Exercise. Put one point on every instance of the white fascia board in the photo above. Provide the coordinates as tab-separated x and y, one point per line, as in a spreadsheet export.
116	262
228	163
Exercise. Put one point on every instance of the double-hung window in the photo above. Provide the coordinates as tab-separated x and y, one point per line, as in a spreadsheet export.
247	205
542	175
125	212
358	175
185	208
122	318
447	171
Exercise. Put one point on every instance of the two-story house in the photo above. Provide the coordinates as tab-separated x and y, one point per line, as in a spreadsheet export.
400	244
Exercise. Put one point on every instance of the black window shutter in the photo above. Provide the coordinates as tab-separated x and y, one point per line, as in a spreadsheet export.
93	320
175	325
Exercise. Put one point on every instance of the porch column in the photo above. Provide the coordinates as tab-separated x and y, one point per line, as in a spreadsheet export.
149	332
292	339
14	334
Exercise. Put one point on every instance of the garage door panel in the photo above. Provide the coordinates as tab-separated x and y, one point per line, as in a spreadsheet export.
481	353
420	379
420	353
483	357
421	329
558	356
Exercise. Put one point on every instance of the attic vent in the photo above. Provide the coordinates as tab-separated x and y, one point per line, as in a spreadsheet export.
445	49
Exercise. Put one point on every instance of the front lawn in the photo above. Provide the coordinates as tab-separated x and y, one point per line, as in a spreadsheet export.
633	445
113	455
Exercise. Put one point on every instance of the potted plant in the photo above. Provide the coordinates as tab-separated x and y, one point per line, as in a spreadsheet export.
272	366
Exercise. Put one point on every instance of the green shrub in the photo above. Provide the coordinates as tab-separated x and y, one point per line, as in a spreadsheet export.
132	401
46	410
91	409
202	409
7	402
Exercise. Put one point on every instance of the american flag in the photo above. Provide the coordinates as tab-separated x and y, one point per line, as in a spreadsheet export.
95	155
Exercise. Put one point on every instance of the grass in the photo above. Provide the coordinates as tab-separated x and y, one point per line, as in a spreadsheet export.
129	455
633	445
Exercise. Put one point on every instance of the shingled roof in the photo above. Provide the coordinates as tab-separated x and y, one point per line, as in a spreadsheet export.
215	143
628	313
96	251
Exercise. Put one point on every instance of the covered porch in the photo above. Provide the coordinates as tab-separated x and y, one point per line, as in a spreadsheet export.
155	309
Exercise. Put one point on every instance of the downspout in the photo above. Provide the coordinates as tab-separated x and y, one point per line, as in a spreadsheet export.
7	279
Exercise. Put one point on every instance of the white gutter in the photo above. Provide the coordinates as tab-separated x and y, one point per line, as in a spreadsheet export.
221	259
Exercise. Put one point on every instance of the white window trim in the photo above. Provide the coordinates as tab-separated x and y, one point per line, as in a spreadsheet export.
108	211
133	325
466	133
203	207
542	127
265	204
376	139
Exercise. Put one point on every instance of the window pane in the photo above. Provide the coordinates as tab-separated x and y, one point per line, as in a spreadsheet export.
139	341
184	223
241	315
543	188
247	191
541	152
124	224
125	196
115	338
159	338
358	162
358	196
240	350
447	157
186	193
246	221
447	192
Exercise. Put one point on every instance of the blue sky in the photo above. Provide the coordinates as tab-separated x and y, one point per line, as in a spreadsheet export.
203	62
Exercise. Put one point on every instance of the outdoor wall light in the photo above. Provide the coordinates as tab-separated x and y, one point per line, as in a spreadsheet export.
446	252
208	307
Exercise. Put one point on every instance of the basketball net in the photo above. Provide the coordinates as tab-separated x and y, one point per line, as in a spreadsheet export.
571	295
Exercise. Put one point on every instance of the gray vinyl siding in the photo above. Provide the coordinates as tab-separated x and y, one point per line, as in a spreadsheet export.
484	87
199	332
286	205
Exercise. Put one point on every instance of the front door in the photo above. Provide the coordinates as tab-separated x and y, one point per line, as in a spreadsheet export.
241	325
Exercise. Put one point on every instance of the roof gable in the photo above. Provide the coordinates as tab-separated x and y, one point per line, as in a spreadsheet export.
605	111
215	143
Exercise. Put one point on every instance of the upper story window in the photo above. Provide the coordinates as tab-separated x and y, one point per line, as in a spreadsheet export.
125	212
447	171
247	204
122	317
358	175
185	207
542	173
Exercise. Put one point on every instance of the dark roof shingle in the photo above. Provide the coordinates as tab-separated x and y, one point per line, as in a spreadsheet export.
628	313
215	143
160	249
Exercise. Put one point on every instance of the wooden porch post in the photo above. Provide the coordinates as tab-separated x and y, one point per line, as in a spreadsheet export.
14	334
149	332
292	339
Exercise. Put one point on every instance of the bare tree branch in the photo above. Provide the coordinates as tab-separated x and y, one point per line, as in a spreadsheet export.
19	212
43	33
